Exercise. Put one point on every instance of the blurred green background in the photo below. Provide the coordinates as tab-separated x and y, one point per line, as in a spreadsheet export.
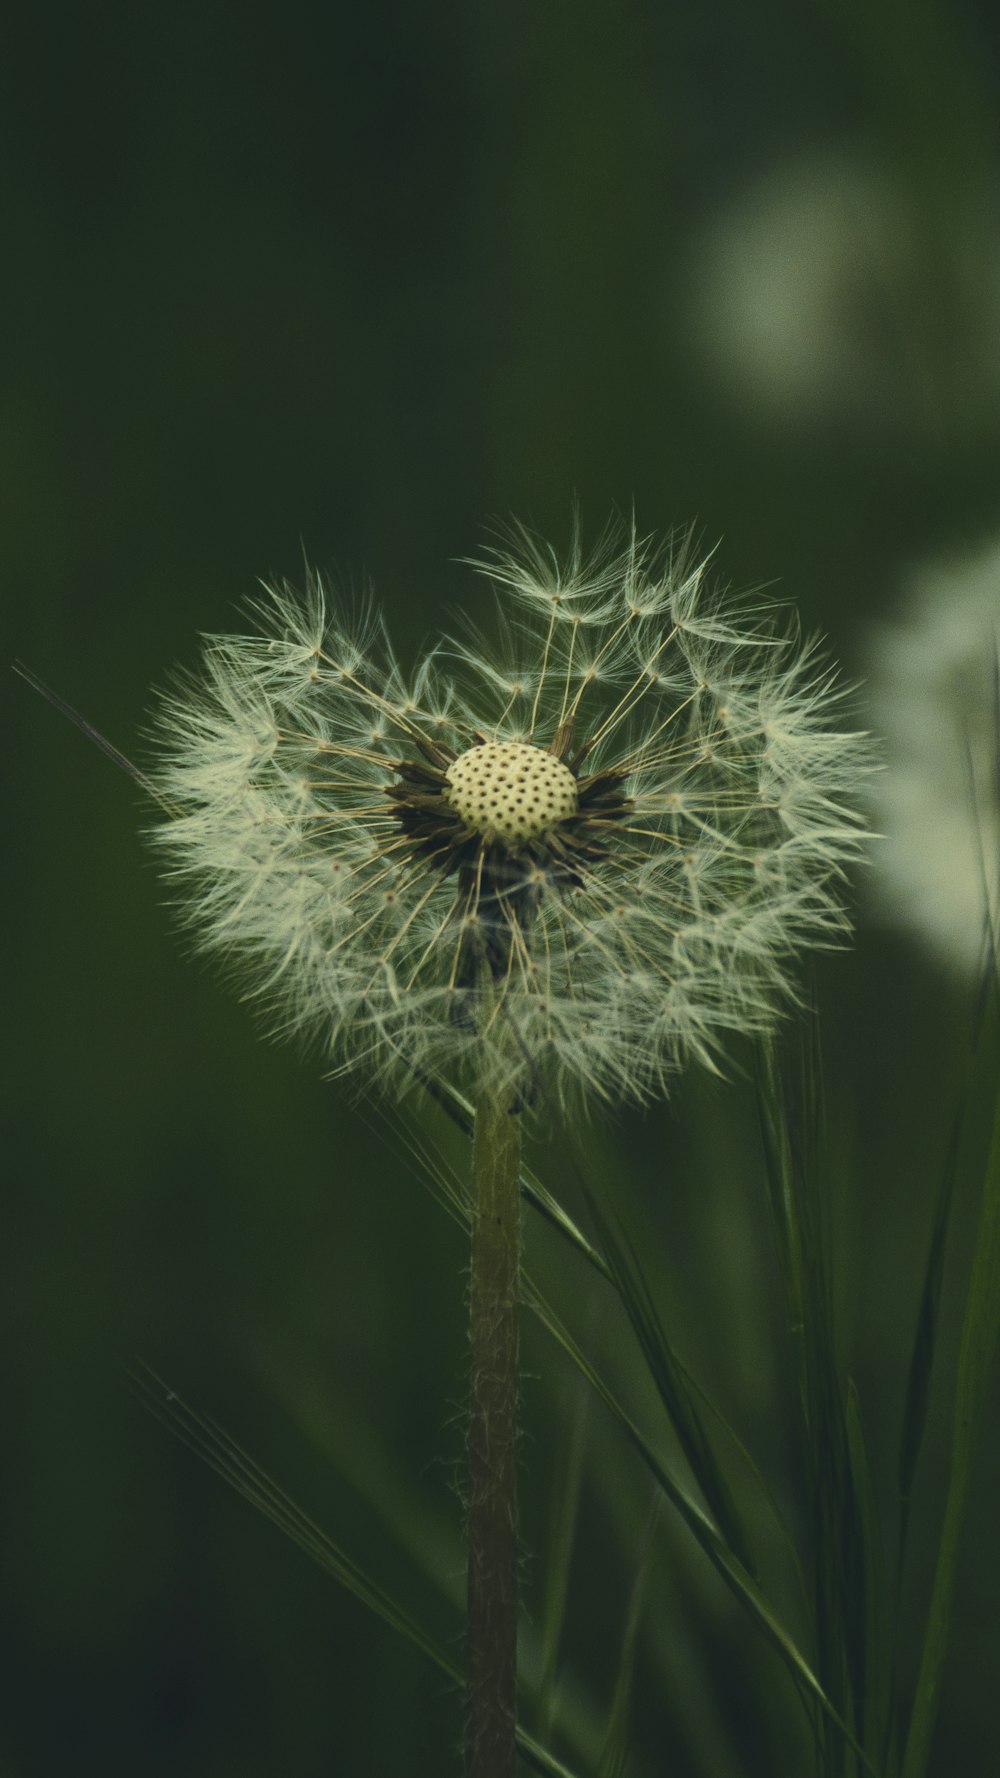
349	282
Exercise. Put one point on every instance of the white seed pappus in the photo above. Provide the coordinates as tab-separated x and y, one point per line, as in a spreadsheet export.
576	855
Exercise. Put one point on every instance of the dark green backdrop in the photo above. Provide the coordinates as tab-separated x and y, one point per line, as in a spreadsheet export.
350	281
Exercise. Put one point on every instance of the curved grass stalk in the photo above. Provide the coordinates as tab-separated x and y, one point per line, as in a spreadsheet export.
216	1447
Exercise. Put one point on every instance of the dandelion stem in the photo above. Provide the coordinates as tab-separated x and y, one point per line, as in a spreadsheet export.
492	1510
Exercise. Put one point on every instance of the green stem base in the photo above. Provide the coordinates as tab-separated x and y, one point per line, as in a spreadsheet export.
492	1506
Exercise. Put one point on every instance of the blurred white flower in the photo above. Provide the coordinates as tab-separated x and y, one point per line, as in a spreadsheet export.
830	290
934	696
589	849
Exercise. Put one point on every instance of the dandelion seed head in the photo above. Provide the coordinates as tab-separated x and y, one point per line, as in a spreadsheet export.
584	852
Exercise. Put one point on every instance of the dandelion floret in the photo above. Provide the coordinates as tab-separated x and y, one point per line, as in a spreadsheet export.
511	789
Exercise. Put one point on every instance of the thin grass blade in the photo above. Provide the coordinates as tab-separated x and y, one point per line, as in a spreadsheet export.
87	728
726	1564
566	1491
871	1675
977	1353
924	1345
209	1441
671	1380
614	1754
790	1114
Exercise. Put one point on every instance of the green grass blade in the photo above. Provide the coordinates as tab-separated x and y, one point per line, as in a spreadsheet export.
924	1344
789	1105
778	1175
671	1379
722	1558
614	1754
977	1351
925	1336
201	1434
460	1112
349	1444
688	1387
567	1487
789	1118
871	1676
535	1757
451	1196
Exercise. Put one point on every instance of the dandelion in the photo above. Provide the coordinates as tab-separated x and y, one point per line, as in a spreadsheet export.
830	291
579	855
566	860
934	696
